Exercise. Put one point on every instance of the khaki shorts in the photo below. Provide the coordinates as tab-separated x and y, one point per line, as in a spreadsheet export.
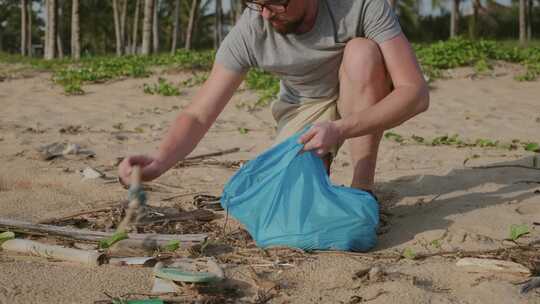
292	118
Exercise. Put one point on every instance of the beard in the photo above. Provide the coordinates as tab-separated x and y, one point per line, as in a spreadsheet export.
285	26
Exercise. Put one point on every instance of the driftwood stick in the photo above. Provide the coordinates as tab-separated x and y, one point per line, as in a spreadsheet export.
201	156
92	258
67	217
95	236
195	215
503	166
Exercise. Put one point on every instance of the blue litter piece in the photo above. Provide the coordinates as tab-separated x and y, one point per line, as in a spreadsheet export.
285	198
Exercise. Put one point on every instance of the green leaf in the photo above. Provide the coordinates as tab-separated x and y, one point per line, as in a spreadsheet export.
408	253
117	237
243	130
172	245
533	147
516	231
393	136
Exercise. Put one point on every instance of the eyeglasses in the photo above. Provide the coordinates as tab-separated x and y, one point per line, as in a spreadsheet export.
278	6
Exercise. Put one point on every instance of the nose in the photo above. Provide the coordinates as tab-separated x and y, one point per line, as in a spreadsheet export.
266	13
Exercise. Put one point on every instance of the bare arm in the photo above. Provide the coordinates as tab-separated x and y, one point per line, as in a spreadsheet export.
189	126
409	97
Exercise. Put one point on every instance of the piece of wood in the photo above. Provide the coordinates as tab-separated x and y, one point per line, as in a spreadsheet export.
95	236
92	258
194	215
67	217
492	265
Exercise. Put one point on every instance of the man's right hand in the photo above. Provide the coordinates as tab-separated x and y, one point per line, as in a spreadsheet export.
151	168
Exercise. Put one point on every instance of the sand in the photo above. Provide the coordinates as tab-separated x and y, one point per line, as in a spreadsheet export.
436	201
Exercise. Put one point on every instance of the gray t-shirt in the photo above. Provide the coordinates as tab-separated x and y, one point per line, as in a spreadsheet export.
308	63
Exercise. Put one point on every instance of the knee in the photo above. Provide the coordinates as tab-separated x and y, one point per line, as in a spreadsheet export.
363	62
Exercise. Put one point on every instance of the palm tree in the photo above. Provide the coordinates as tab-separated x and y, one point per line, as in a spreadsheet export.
147	26
191	24
454	18
116	17
123	16
50	52
29	29
176	25
135	27
59	17
155	28
75	31
522	23
218	30
24	27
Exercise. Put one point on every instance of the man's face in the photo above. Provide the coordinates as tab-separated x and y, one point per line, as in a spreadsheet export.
284	16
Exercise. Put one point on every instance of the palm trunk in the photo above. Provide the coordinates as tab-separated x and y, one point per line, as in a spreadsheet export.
123	25
134	40
529	19
155	28
454	18
191	24
24	24
29	30
176	25
522	23
59	17
75	31
474	20
147	26
51	30
116	19
218	31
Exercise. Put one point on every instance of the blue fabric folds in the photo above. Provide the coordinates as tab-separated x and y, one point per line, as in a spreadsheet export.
284	198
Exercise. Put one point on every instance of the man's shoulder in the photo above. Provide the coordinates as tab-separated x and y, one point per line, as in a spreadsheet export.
251	22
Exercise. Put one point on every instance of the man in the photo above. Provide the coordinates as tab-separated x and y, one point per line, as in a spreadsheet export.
345	67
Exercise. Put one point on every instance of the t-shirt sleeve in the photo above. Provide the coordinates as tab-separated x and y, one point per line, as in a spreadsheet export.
379	21
234	51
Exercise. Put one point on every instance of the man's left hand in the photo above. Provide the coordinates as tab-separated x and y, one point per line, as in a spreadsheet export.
321	137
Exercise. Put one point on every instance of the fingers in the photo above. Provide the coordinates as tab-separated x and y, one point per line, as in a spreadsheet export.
126	166
308	135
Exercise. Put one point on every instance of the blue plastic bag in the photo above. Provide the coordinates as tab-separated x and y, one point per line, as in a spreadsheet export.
285	198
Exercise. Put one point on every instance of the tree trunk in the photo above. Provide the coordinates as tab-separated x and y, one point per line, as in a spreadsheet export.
134	41
24	24
123	16
530	5
176	25
75	31
116	19
522	23
29	29
1	39
191	24
51	30
454	18
155	28
474	20
218	30
147	26
59	16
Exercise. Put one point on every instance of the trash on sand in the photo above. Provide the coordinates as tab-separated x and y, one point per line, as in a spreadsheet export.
202	270
91	173
92	258
492	265
164	286
128	261
57	149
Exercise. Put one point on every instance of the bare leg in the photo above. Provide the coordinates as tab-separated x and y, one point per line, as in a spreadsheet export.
364	81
